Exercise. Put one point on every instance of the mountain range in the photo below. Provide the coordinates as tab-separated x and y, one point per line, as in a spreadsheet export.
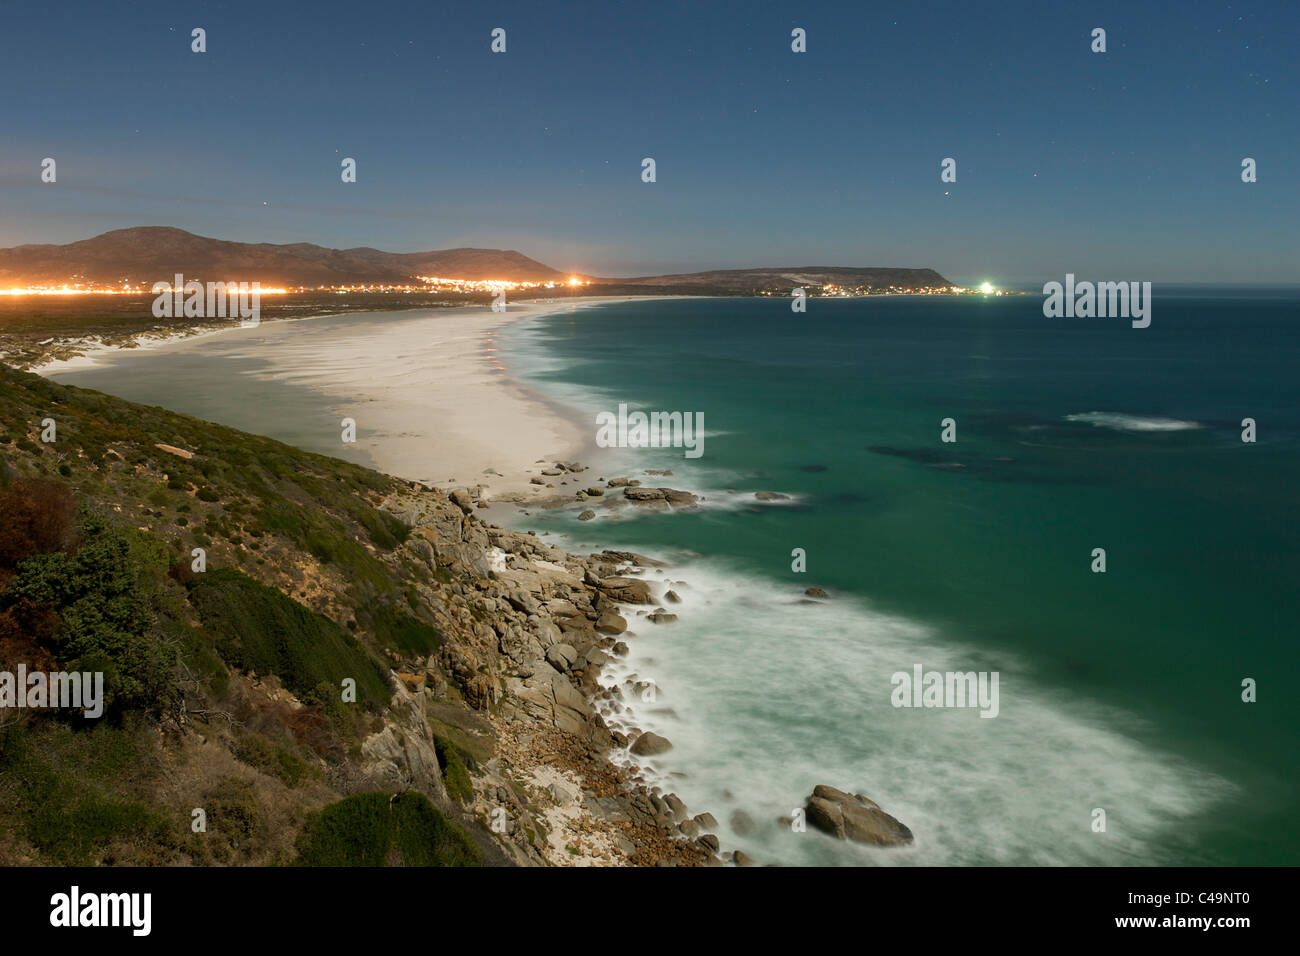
147	254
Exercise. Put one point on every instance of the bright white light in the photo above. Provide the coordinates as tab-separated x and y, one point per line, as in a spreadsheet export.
986	288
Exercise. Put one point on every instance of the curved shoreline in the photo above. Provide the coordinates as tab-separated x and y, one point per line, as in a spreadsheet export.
395	374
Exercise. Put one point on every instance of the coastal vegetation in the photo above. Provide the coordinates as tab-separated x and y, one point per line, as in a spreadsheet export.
378	829
222	686
305	662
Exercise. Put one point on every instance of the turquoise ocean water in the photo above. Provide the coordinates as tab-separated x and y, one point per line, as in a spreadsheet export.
1119	691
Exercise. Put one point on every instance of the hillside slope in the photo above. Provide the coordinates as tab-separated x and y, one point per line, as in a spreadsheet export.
346	634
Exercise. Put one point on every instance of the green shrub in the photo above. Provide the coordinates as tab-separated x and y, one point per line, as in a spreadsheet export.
101	594
256	628
259	753
61	784
233	812
399	631
382	829
385	530
454	775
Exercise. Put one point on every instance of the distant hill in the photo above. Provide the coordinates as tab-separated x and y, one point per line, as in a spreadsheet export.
786	277
149	254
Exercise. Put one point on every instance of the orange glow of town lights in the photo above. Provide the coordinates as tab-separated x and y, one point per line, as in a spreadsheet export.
64	290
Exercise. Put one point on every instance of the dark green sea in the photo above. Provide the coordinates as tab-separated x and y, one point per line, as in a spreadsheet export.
1120	691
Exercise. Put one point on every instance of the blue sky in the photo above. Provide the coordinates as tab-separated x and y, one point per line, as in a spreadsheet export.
1117	165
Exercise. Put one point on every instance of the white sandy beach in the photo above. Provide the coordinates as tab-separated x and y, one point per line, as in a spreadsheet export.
430	393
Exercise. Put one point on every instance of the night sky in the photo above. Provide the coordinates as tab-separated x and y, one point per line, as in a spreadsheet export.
1122	165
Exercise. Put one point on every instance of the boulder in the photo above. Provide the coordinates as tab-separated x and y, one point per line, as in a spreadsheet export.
561	656
678	808
670	495
629	557
650	745
742	824
706	821
853	817
547	695
562	608
625	590
593	657
611	622
402	754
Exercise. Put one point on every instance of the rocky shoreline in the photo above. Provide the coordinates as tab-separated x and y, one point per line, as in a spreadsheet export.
537	625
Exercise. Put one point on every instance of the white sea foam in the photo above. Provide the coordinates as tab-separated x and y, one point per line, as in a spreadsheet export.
1133	423
764	695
